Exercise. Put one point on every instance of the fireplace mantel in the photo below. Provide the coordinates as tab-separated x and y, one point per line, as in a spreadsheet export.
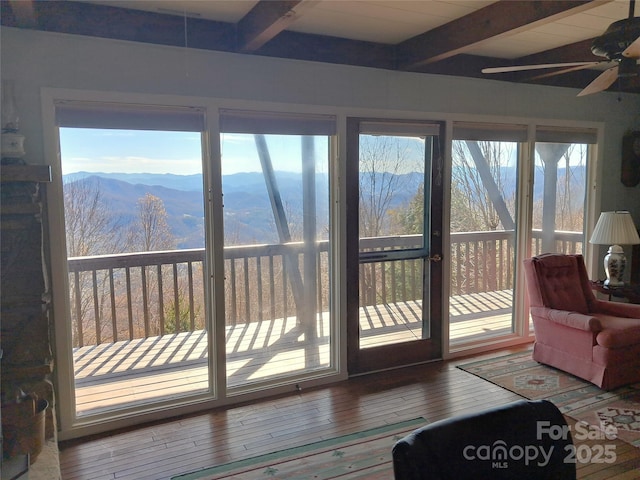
25	173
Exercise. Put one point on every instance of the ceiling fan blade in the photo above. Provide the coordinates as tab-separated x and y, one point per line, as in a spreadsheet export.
602	82
633	50
521	68
572	69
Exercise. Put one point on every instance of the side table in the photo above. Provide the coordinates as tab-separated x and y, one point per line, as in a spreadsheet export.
629	292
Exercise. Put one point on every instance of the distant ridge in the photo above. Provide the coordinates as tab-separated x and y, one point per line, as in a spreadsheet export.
169	180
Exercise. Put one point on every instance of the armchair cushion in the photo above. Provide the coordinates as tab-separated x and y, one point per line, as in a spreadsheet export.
628	310
562	286
570	319
618	332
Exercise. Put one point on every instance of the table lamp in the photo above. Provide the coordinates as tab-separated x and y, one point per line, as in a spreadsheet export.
615	229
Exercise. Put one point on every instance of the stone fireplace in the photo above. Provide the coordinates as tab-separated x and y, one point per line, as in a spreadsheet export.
26	333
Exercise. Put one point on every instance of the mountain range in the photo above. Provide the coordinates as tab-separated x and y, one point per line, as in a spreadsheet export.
248	214
247	208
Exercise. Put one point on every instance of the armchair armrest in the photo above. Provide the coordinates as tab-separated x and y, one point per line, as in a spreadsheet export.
627	310
569	319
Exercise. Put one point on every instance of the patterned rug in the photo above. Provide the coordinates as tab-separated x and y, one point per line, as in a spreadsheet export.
361	455
616	412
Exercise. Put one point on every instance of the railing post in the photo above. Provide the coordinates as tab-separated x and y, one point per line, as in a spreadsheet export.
78	298
161	315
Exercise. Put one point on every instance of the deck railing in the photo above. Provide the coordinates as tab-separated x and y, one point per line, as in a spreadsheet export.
139	295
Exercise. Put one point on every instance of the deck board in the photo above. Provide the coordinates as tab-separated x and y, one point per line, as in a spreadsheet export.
134	372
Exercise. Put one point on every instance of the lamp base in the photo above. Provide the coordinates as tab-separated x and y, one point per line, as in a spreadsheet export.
614	265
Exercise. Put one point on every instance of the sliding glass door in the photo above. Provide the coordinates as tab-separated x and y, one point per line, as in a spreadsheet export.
277	293
489	163
135	246
155	319
484	192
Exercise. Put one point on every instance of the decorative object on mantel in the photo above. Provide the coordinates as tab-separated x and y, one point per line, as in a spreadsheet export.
12	139
615	229
23	426
630	168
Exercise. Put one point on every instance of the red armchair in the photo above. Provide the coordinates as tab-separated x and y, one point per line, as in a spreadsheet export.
592	339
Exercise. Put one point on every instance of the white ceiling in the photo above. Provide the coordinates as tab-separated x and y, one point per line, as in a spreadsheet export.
393	21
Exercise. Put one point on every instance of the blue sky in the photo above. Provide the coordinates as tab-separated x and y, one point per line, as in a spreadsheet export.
137	151
129	151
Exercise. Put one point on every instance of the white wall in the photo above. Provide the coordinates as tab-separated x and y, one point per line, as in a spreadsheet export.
38	59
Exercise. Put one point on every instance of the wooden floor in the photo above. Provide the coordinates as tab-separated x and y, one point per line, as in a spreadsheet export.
130	373
434	391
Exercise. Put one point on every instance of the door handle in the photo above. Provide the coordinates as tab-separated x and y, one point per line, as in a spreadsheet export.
435	258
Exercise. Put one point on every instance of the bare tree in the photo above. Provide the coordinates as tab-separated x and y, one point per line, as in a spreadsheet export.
480	200
571	191
391	201
385	167
91	229
151	232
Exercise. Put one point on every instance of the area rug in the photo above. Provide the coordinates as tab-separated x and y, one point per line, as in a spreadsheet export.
614	411
361	455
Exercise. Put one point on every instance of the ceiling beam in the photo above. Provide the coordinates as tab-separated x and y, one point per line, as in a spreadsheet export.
502	18
266	20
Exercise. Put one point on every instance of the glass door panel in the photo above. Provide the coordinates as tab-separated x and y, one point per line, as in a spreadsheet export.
483	232
134	219
276	253
392	219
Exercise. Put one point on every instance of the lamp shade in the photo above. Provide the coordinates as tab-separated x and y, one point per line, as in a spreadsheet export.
615	228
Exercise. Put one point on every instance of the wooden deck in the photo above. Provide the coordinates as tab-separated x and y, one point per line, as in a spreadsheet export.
130	373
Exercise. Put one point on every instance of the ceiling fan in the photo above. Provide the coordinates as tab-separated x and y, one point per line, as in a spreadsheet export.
619	44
